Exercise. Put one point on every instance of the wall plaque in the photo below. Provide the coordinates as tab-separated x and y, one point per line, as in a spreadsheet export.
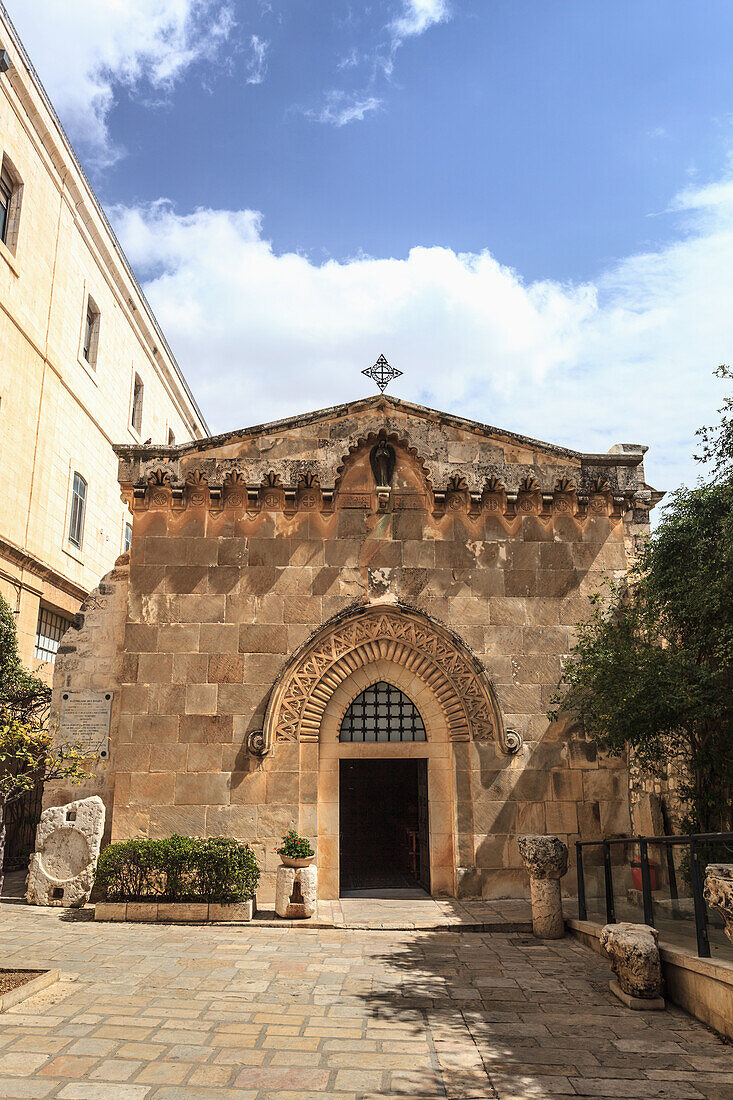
85	720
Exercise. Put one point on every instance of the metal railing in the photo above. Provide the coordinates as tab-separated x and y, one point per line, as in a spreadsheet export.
667	892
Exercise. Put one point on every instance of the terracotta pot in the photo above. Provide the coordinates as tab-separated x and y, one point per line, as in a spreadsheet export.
287	861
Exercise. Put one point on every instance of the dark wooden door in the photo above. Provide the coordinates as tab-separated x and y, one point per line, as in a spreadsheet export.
423	825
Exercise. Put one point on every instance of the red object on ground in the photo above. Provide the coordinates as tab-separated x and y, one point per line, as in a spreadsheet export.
636	874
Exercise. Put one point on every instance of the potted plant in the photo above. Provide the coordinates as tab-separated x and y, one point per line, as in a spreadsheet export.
295	850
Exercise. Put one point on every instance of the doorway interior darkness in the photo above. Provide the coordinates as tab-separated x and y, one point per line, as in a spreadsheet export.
383	824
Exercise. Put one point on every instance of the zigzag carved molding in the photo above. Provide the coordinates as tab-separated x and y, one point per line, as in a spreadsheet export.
399	635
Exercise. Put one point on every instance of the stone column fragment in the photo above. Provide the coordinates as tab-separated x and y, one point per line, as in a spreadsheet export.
718	892
62	867
545	860
635	962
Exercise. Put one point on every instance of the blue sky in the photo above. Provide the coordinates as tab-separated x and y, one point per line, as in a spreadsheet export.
525	204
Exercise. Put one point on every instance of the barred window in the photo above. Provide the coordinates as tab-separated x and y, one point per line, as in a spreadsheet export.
78	509
126	538
382	713
49	632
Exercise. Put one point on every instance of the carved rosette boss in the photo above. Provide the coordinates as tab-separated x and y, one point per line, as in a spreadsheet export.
545	860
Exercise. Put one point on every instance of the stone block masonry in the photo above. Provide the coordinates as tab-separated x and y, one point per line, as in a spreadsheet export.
269	584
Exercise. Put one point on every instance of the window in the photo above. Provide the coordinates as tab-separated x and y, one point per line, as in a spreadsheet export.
78	509
171	438
49	632
11	190
382	713
91	334
137	404
6	194
126	537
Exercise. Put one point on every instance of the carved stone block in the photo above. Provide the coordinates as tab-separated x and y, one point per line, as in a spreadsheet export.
296	891
634	959
62	867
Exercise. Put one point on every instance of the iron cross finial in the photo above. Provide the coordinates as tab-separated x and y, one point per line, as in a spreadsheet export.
382	373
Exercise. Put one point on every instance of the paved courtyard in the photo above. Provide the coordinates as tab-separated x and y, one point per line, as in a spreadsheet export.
191	1013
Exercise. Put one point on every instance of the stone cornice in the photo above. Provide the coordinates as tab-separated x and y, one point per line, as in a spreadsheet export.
290	467
384	403
40	569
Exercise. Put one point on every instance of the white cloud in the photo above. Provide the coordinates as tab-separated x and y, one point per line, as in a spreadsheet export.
626	358
84	50
418	16
257	66
340	108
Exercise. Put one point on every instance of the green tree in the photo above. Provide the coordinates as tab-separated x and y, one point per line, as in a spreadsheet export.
28	751
652	668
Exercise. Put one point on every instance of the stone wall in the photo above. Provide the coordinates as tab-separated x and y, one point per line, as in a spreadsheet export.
90	658
245	549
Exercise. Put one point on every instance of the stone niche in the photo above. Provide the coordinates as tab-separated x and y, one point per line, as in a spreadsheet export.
248	548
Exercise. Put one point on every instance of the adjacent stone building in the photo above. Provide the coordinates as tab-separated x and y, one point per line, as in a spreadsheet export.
352	623
83	365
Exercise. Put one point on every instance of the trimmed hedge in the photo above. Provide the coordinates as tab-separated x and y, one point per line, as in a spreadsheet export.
178	868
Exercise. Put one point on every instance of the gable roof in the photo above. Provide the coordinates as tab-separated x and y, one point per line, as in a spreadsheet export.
628	455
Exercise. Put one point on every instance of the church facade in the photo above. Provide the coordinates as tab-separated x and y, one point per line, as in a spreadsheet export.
351	623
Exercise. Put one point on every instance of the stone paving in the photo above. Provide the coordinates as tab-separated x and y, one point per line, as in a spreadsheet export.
253	1013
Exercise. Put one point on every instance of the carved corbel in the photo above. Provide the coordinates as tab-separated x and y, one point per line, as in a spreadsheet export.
196	489
619	505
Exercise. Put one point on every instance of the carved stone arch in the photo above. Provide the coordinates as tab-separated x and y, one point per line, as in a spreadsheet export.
395	440
404	637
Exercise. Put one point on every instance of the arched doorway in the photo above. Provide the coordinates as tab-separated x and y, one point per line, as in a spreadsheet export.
384	834
440	678
408	774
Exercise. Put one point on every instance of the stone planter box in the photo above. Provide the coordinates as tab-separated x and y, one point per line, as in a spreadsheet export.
171	912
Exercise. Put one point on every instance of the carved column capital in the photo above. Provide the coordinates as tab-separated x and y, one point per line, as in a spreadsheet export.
718	892
635	961
543	856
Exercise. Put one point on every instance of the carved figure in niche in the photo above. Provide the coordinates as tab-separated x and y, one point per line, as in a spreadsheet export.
382	459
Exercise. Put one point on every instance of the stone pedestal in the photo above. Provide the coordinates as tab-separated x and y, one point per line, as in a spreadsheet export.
62	867
296	891
545	860
718	892
635	962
